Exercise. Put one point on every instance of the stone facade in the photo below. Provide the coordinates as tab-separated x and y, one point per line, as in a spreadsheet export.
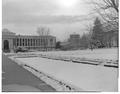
11	41
111	39
74	41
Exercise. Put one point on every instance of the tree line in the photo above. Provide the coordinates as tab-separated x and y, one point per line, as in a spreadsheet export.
99	36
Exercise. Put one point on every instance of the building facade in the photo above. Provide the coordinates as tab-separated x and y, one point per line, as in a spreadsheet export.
111	39
74	41
11	41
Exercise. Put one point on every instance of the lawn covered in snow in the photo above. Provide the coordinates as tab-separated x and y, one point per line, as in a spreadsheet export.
106	53
86	77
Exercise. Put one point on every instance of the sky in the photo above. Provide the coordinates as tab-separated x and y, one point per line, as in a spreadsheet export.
62	17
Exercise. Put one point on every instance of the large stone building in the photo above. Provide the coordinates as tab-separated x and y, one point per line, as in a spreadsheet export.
74	41
111	34
10	41
111	39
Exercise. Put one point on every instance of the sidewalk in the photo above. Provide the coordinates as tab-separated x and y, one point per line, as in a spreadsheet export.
15	78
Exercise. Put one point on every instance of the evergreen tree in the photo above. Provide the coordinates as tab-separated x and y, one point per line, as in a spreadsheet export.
97	35
58	45
84	41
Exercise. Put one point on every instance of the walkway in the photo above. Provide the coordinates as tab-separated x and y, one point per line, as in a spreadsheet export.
14	76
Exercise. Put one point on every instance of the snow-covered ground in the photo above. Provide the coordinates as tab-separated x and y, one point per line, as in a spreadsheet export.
87	77
84	76
111	53
104	57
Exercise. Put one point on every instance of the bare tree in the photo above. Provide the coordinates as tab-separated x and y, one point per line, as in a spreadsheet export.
42	31
89	28
107	4
109	12
107	9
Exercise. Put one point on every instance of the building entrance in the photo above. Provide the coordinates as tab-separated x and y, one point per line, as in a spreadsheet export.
6	46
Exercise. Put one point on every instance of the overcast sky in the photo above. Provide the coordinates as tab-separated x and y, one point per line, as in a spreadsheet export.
63	17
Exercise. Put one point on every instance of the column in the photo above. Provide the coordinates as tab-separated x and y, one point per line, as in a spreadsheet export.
40	43
31	42
18	41
27	42
34	43
21	42
48	44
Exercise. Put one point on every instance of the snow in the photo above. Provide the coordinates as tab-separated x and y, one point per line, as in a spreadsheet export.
56	84
111	53
104	57
84	77
87	77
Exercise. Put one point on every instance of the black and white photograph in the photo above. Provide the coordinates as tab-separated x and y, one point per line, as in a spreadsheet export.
60	46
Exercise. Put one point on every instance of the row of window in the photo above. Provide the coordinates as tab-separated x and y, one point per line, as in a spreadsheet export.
32	42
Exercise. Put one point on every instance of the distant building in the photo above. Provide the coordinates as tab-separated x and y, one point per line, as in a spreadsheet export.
111	39
74	41
111	34
10	41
